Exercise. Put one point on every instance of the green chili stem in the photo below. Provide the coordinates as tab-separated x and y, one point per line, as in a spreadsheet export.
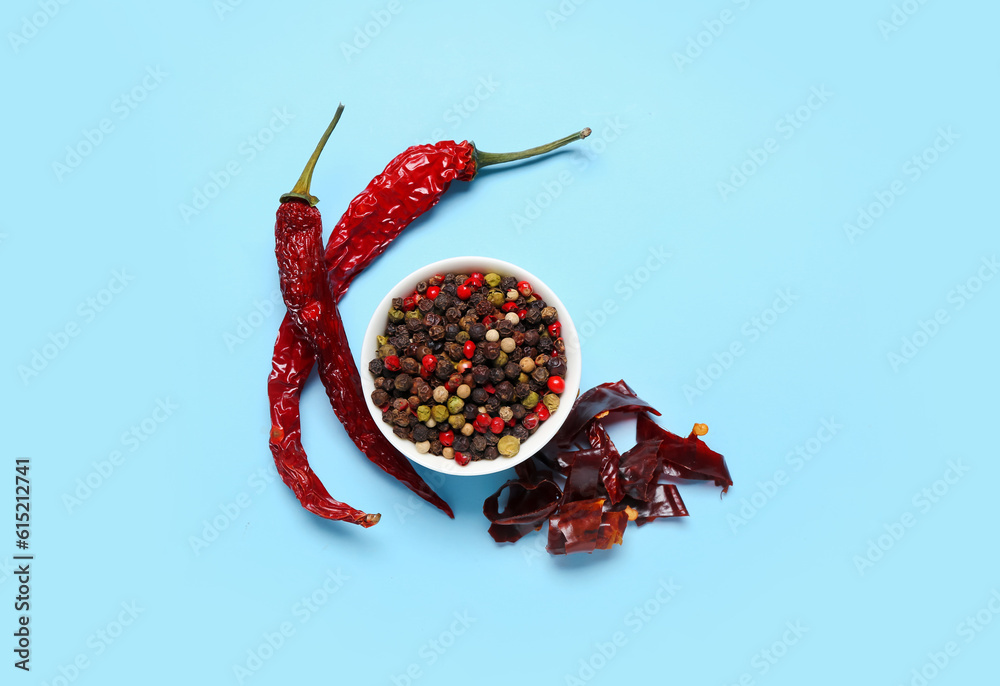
485	159
301	189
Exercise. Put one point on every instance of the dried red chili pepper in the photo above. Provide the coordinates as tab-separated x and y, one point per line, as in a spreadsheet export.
410	185
302	273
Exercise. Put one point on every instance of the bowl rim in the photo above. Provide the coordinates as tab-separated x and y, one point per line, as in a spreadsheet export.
545	432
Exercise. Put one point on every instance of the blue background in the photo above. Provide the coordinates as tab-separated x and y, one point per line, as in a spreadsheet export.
875	578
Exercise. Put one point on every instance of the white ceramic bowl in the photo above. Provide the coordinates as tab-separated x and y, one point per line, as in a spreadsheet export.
548	429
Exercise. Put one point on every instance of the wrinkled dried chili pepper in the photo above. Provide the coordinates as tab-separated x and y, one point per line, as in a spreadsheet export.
411	184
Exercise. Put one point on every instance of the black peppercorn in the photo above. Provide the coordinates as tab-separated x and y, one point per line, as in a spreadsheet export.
505	390
512	370
479	396
480	374
478	443
496	375
376	367
477	331
379	397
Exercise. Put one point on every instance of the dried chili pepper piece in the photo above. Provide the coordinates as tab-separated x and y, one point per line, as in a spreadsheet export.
611	463
665	501
686	458
529	504
584	480
640	466
597	403
583	526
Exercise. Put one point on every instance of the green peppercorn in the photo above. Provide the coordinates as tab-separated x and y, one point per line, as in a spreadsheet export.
414	314
492	280
386	350
457	421
509	446
522	377
501	359
496	298
439	413
396	316
461	337
380	341
551	401
455	404
423	413
530	401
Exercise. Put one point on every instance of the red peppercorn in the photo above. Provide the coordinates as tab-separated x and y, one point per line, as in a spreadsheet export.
496	426
453	382
488	320
512	422
469	349
557	384
464	366
530	420
409	303
489	388
521	314
509	306
554	329
461	459
446	437
391	363
473	282
524	288
432	292
463	292
542	412
477	276
429	362
482	420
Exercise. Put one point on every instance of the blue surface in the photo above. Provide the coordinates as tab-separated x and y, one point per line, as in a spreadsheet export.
866	371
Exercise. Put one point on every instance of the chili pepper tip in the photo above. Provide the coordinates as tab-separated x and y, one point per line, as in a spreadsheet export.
373	519
301	189
700	429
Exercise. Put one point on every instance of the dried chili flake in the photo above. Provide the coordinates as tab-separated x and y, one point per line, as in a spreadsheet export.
529	504
685	458
639	468
583	526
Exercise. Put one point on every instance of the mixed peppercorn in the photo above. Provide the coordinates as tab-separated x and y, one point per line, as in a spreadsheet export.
469	366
